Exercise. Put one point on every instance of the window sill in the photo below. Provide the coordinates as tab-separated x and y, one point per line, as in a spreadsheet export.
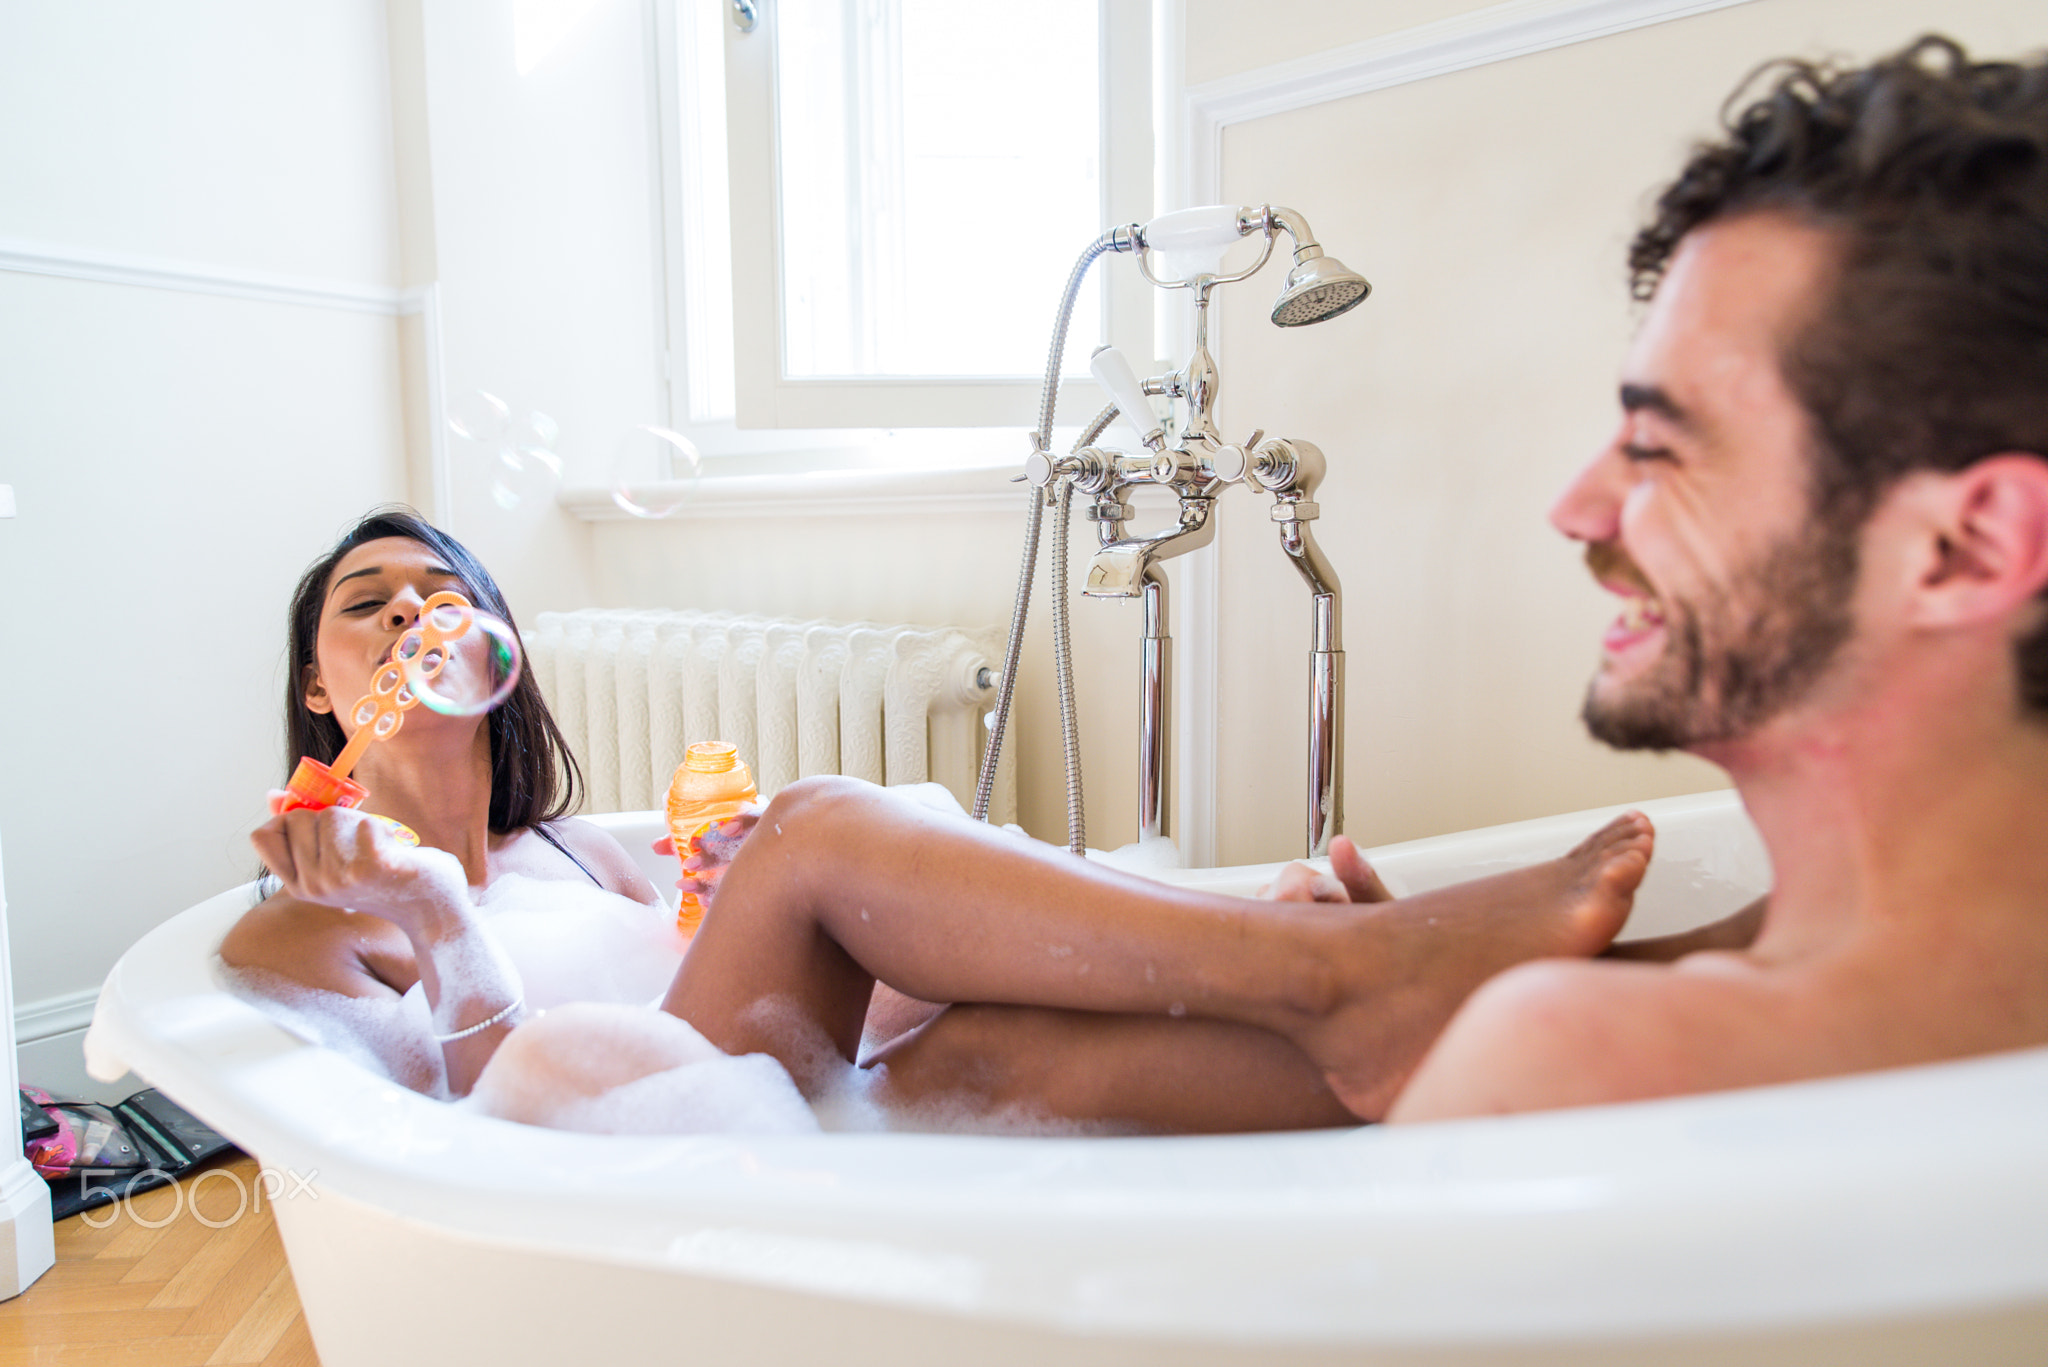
823	493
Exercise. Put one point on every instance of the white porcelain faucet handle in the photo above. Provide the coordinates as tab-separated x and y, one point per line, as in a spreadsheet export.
1120	382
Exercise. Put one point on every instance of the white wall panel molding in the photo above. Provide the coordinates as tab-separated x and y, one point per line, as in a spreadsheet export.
823	493
1494	34
121	268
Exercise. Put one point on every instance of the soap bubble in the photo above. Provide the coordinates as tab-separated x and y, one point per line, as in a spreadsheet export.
517	454
655	471
466	676
483	418
526	469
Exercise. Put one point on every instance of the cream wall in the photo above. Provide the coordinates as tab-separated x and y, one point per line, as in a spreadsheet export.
178	455
1490	208
540	215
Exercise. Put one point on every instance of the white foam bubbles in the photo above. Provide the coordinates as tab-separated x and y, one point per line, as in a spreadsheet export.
1150	855
388	1035
608	1069
578	943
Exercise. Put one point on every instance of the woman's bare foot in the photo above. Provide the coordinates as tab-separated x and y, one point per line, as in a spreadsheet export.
1404	967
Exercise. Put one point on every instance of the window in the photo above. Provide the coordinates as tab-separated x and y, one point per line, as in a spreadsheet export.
913	180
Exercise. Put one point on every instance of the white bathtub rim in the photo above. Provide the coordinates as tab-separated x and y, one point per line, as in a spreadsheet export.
1075	1263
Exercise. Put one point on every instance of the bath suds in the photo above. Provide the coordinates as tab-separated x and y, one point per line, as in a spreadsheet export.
798	1040
1151	974
476	977
936	796
388	1035
972	1114
863	913
1177	1010
778	828
574	943
1149	855
1060	951
635	1070
846	1102
607	1069
751	1094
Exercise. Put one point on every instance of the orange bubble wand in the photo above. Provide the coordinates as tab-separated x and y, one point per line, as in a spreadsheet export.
417	657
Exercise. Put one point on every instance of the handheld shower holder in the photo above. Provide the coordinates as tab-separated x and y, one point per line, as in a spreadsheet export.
1186	454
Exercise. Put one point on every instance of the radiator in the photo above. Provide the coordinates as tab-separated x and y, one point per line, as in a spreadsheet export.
890	704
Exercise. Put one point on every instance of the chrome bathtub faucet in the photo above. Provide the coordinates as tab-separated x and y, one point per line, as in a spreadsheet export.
1185	453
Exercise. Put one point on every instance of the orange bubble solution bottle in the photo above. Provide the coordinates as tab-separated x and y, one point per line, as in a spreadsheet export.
711	785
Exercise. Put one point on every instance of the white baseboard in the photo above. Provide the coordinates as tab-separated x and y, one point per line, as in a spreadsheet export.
49	1049
54	1015
28	1246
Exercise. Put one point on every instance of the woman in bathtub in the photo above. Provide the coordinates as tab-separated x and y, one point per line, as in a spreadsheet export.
1096	997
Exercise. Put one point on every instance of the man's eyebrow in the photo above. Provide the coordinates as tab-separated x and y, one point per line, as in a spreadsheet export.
1649	398
439	571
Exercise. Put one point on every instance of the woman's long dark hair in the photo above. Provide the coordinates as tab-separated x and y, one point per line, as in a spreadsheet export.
533	776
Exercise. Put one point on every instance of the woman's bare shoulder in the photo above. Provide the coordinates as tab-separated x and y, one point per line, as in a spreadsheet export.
322	947
606	858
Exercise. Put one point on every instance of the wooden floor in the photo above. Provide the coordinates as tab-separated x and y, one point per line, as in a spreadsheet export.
179	1295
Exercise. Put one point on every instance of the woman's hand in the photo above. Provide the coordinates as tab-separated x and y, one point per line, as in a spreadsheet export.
1351	879
715	849
341	858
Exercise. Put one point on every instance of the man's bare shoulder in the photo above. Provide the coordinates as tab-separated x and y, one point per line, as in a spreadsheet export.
321	947
1568	1032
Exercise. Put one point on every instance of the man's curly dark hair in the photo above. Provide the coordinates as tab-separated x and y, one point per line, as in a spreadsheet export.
1930	347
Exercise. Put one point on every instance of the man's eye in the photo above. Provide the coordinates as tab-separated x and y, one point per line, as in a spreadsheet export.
1640	454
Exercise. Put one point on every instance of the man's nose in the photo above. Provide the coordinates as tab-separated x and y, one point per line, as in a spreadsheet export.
1589	509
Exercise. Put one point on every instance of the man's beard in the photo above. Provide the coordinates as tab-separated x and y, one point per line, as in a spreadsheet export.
1740	656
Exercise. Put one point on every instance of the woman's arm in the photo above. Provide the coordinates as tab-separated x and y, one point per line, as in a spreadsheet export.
341	976
339	860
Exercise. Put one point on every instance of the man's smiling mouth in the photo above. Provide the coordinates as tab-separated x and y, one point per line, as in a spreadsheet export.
1642	612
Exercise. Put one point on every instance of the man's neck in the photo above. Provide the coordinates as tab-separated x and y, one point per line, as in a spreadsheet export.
1895	812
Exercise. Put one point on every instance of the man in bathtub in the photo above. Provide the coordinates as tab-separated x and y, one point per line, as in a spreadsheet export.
1825	511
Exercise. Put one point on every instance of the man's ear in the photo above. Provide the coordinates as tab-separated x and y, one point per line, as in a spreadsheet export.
314	691
1988	550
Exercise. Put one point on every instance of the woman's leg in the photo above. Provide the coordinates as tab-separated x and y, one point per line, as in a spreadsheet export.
1023	1067
843	883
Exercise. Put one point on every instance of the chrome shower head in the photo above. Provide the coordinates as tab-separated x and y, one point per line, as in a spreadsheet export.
1318	287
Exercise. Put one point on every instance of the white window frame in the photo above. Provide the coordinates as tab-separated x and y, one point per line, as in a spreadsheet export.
789	424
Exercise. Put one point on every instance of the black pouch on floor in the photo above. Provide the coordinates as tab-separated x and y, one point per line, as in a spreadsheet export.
35	1121
97	1154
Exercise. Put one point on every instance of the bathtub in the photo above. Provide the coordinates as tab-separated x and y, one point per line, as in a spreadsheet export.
1899	1217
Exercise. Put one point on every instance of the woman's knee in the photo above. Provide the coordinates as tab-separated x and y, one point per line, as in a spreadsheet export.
817	800
578	1051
